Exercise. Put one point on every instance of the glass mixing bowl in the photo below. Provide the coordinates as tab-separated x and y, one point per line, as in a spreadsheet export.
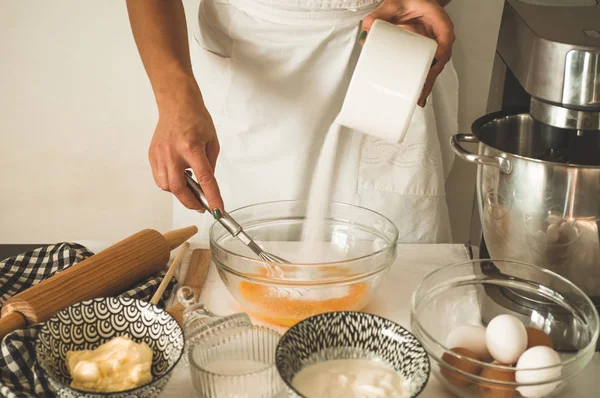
473	293
338	274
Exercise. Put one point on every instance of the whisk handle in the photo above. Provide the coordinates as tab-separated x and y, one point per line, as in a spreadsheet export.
226	221
230	224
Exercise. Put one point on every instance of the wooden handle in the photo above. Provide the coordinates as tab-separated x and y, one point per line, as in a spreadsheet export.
194	279
169	275
177	237
11	322
108	273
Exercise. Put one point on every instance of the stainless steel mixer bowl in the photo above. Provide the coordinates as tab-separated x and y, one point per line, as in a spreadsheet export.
538	190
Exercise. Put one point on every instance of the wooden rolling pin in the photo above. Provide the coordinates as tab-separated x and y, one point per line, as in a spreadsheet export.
108	273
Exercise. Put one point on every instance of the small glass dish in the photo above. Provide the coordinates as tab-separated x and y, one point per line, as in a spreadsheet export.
228	356
240	365
200	324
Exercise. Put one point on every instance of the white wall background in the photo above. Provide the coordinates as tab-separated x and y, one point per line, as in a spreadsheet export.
77	115
76	118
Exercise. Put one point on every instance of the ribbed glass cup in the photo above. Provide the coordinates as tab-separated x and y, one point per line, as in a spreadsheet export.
237	365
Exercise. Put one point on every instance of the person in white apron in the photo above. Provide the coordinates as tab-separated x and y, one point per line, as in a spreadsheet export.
272	76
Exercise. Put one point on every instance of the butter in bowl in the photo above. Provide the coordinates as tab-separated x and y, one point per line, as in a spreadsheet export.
351	354
109	347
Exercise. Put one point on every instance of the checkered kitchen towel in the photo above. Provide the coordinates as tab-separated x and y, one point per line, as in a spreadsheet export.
19	374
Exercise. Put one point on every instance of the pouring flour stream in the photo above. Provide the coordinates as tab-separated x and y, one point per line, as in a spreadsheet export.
380	102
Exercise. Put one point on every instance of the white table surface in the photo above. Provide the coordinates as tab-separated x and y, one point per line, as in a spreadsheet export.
392	301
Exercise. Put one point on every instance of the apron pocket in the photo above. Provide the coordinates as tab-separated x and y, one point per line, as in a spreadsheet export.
413	167
211	52
405	182
214	26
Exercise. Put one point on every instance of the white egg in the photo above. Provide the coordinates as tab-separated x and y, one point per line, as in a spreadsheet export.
471	337
506	338
533	358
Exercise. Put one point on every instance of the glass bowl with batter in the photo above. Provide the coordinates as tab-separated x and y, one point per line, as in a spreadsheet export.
339	273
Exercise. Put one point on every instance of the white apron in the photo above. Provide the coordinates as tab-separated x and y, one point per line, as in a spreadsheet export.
273	74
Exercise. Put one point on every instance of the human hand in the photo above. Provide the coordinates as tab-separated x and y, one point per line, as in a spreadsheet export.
185	137
425	17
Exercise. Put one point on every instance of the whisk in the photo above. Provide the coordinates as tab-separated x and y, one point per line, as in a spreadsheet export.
231	225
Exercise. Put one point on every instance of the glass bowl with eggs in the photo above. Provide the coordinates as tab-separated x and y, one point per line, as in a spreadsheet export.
504	329
337	272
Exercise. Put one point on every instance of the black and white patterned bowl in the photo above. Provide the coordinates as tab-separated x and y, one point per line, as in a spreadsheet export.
352	335
88	324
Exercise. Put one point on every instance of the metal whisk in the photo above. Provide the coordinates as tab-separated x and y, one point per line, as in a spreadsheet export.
231	225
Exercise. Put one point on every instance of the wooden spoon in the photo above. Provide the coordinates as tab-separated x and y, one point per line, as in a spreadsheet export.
169	275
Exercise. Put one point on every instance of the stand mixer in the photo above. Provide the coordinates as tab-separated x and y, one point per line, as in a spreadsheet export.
538	178
548	60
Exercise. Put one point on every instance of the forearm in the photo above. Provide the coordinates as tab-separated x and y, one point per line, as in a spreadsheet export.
160	33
